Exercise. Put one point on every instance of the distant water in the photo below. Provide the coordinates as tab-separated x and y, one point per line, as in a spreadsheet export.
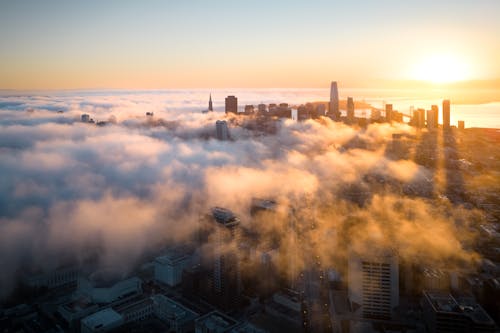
196	100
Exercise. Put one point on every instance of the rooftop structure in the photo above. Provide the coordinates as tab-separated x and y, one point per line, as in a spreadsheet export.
224	217
444	313
102	321
215	322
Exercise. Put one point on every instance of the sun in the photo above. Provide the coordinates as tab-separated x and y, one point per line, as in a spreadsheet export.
441	69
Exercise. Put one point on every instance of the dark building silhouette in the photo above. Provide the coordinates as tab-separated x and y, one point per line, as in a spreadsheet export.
435	120
350	109
446	114
333	110
388	112
210	106
222	260
231	104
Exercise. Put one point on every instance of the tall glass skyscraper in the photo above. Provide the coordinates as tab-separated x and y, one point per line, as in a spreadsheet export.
334	111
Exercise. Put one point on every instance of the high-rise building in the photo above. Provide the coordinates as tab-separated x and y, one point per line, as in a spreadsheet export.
225	272
431	119
231	104
446	114
350	109
85	118
221	130
461	125
435	114
334	111
374	284
388	112
421	118
210	105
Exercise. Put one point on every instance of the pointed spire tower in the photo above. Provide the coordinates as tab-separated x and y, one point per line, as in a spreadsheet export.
210	106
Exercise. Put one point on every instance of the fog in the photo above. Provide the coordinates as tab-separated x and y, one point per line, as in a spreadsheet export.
70	190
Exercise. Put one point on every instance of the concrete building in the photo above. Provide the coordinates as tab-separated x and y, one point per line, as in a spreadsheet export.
221	130
179	318
102	321
373	282
52	279
104	289
225	275
85	118
435	120
231	104
334	111
446	114
421	118
215	322
442	313
76	309
168	268
249	109
461	125
388	113
135	309
431	119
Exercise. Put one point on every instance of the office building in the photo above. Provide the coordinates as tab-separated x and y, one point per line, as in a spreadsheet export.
249	109
221	130
374	284
446	114
85	118
102	321
215	322
210	105
179	318
105	287
334	111
168	268
442	313
262	108
223	261
421	118
388	113
431	119
350	109
435	120
231	105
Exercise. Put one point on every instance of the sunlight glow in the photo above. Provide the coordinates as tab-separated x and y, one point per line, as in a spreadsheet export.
442	69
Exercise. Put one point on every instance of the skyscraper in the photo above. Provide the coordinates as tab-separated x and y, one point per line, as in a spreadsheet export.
210	106
431	119
350	109
388	113
374	284
435	114
221	130
334	112
225	272
446	114
231	104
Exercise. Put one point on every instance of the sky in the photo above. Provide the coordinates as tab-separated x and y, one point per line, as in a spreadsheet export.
57	44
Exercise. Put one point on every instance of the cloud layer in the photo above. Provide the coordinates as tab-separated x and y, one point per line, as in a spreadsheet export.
71	190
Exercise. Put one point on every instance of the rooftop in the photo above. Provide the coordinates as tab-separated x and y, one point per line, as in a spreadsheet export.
103	318
216	321
224	216
445	303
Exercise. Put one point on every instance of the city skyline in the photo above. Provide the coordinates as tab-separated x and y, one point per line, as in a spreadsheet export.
125	45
